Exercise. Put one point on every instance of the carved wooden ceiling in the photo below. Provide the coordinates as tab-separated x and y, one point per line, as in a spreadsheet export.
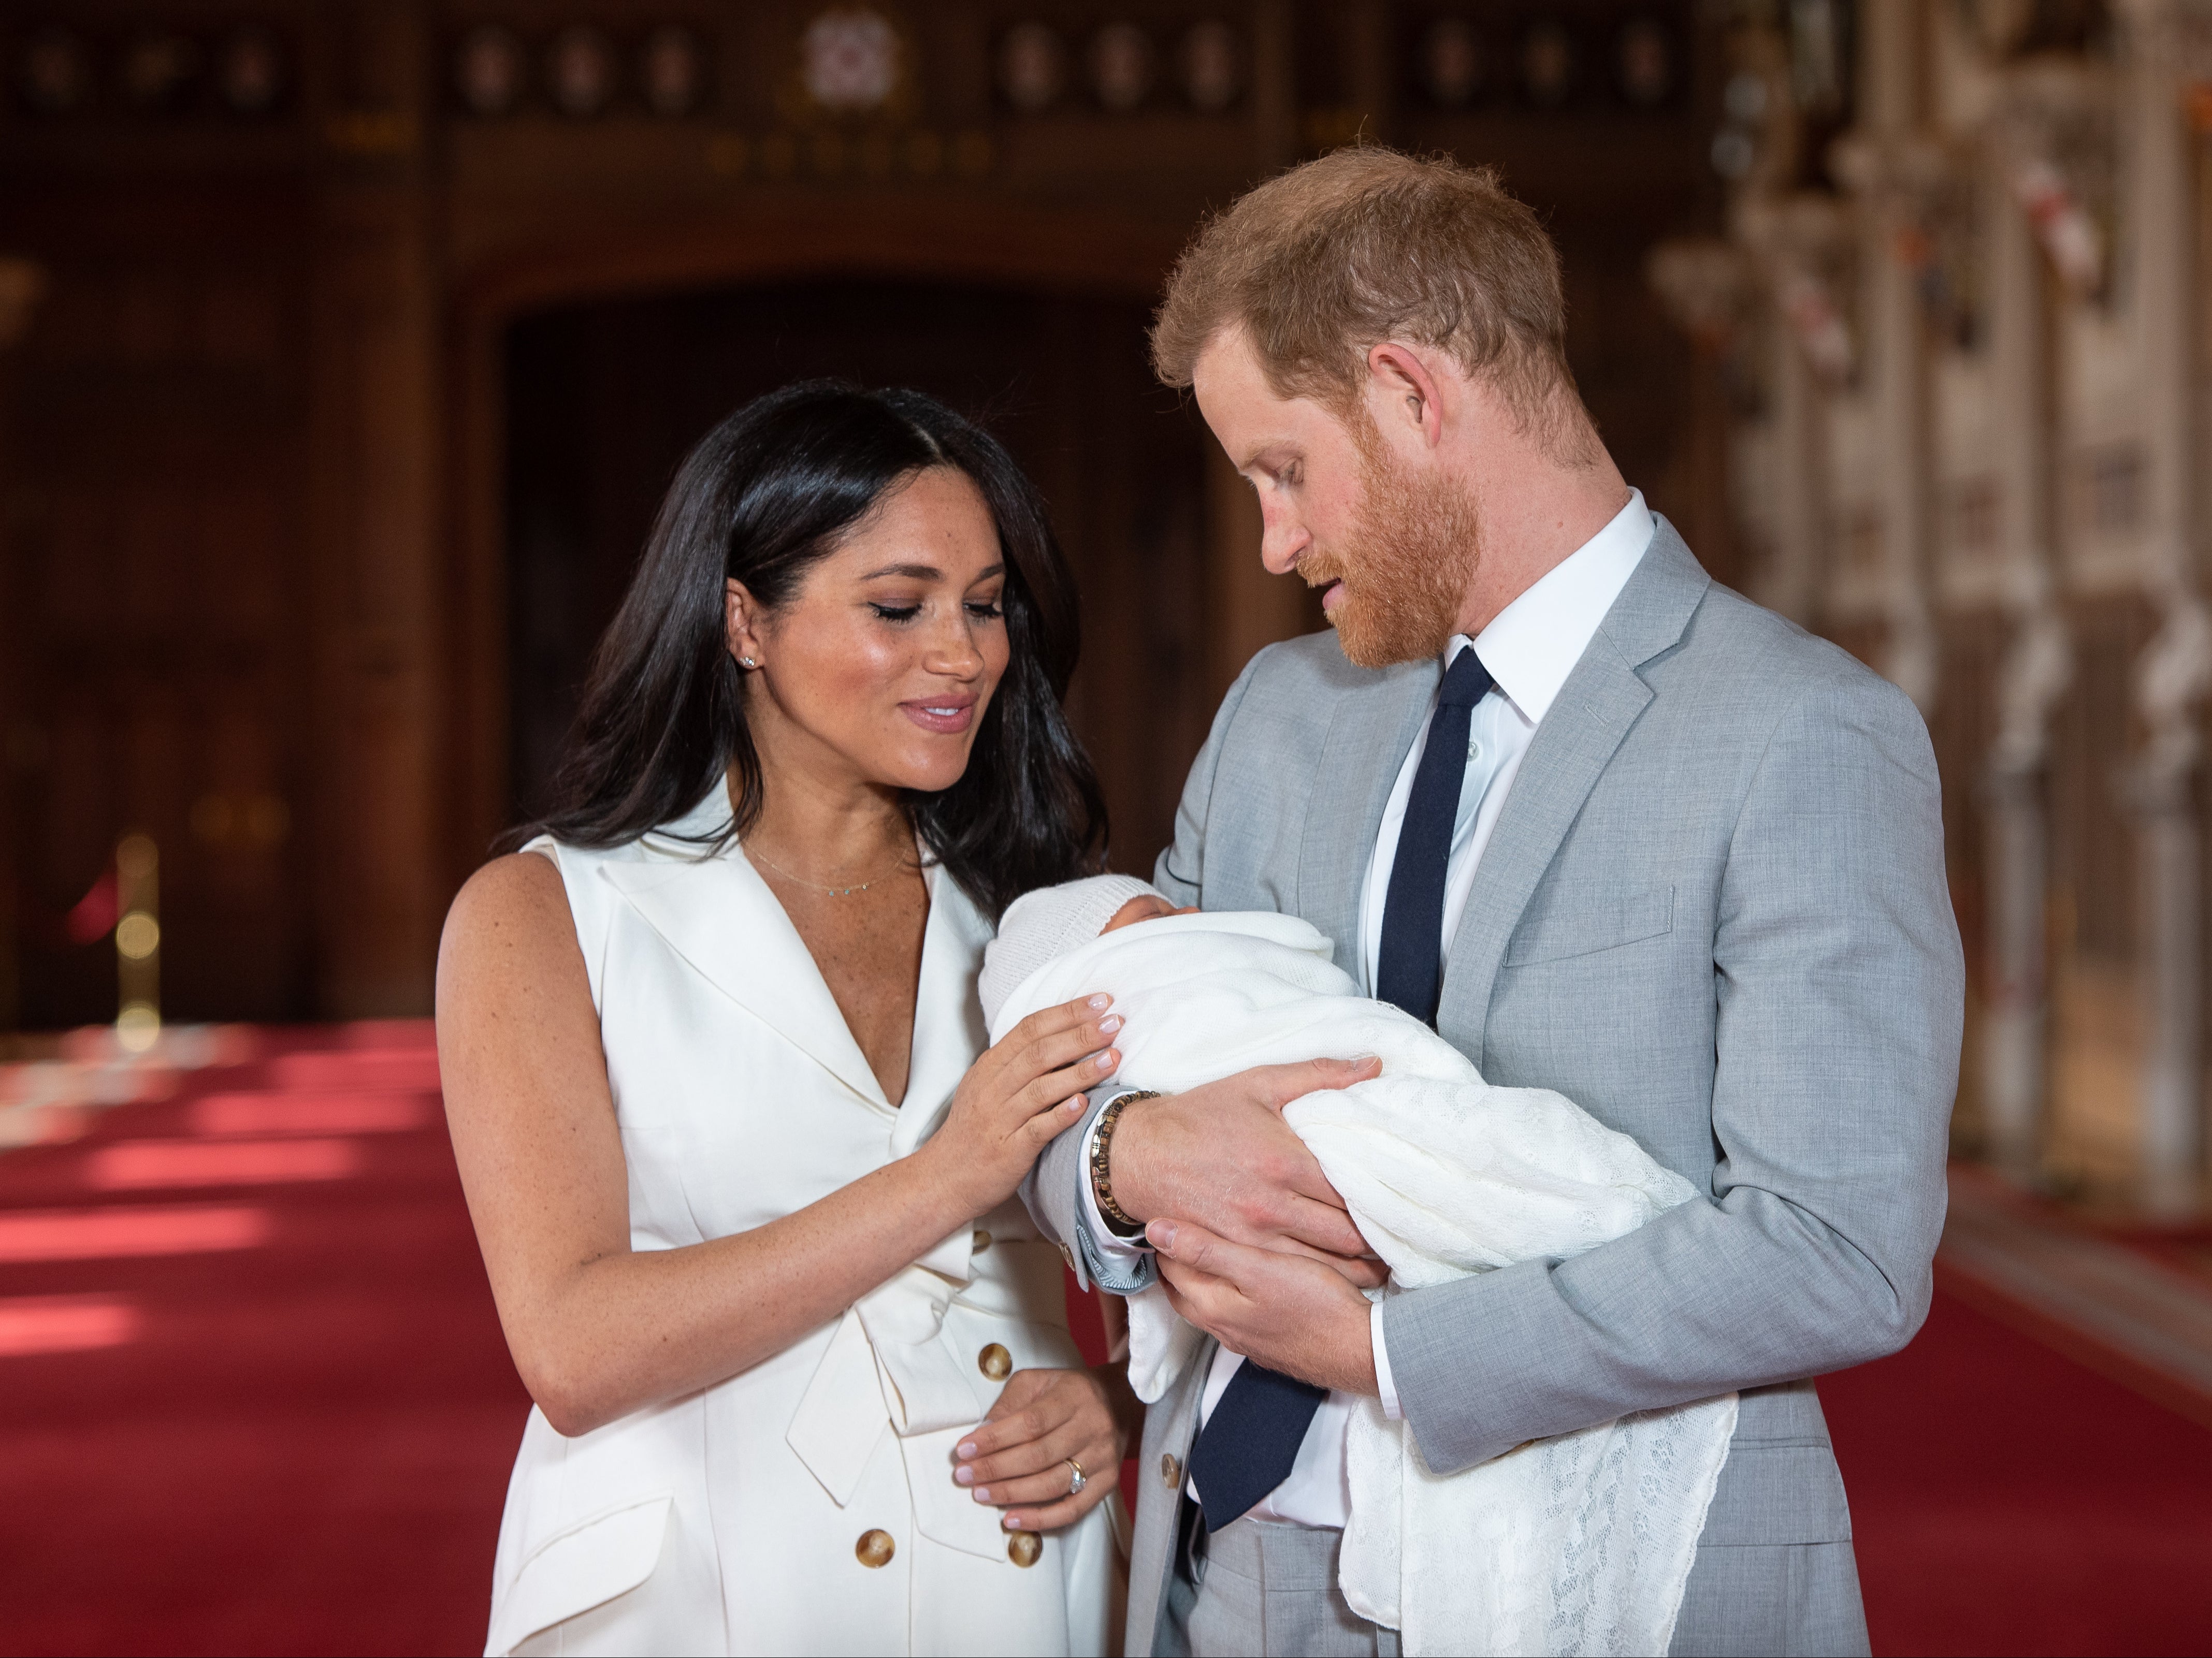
944	75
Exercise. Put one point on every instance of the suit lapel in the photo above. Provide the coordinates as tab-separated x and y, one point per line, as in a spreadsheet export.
1368	737
718	914
1600	702
1596	707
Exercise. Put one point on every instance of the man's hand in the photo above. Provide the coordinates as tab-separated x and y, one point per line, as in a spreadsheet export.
1222	1156
1290	1313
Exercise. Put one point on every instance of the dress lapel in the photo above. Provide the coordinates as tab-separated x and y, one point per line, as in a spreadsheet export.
1372	727
1600	700
719	916
948	1020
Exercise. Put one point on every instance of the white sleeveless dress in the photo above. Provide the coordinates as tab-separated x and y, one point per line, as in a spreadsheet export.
805	1505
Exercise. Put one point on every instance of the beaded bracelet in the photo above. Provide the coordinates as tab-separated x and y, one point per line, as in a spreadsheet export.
1102	1180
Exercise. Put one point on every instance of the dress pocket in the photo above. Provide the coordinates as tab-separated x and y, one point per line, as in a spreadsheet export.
1587	927
586	1565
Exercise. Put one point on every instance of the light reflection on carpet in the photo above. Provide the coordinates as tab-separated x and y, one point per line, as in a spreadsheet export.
65	1324
48	1235
138	1165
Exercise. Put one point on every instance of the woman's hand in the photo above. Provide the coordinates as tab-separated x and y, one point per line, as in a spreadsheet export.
1018	1460
1019	1096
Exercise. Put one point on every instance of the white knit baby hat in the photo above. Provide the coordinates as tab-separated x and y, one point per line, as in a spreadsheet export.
1046	924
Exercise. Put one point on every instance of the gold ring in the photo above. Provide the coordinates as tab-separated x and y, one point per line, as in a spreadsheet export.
1076	1481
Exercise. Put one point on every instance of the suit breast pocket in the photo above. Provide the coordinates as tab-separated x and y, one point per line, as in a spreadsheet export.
1584	926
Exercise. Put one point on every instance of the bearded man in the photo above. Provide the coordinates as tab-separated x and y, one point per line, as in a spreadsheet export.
1614	830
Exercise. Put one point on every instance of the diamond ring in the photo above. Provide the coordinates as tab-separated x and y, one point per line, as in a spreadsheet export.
1076	1481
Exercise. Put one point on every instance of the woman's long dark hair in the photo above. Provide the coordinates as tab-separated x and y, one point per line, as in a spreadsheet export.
761	499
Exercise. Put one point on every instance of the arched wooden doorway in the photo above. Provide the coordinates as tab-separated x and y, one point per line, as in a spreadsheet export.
603	398
1032	319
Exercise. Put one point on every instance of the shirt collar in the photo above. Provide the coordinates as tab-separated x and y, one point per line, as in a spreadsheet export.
1533	644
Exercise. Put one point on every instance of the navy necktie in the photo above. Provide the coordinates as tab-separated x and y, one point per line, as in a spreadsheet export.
1409	970
1250	1442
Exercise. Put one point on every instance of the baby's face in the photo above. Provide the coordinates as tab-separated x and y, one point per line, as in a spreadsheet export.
1148	908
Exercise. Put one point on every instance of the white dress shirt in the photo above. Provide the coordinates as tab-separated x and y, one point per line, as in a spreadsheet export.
1529	648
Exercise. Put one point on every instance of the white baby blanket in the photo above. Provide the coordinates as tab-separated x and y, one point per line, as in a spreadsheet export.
1579	1544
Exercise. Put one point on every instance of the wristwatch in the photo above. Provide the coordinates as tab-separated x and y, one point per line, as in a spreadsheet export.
1118	1221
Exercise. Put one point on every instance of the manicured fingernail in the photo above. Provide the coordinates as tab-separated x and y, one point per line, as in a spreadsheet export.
1101	1002
1161	1234
1076	1106
967	1449
982	1493
1109	1024
1105	1061
963	1476
1015	1522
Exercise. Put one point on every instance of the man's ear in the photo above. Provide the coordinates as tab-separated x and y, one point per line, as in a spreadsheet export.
741	618
1405	392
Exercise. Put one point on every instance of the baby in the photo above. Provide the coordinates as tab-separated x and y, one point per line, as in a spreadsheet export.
1587	1539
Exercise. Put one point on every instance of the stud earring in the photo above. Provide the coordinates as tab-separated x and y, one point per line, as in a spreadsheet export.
746	662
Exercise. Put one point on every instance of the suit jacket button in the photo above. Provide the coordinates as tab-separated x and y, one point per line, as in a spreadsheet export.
875	1548
980	1242
995	1362
1023	1548
1171	1472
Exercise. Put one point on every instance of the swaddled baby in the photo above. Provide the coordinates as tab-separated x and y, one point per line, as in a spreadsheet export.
1579	1544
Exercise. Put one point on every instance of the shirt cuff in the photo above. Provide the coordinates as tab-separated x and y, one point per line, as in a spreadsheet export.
1118	1260
1383	1385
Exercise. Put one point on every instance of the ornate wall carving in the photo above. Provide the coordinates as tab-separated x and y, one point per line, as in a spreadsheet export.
1975	454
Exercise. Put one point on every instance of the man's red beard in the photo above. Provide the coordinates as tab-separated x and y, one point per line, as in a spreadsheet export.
1406	564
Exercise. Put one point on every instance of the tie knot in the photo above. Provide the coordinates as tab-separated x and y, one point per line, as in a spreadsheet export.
1466	681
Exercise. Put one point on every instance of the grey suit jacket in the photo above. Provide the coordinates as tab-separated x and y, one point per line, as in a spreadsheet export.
1713	913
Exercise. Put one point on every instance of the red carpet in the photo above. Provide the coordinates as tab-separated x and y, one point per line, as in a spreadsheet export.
255	1400
2006	1500
302	1440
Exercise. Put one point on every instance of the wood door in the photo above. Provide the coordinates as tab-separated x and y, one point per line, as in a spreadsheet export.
603	399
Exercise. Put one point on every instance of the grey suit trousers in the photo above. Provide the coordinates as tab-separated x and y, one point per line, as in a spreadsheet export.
1268	1588
1713	913
1265	1588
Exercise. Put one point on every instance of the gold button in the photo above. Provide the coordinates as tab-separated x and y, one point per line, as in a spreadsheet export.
995	1362
980	1242
1171	1471
875	1548
1023	1548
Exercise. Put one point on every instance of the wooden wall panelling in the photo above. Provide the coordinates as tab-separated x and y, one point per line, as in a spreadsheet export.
1124	470
356	695
377	443
22	286
152	541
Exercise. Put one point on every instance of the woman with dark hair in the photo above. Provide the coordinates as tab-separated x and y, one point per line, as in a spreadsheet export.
740	1166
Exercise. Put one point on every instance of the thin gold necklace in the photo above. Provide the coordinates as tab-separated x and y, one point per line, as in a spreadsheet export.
835	892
